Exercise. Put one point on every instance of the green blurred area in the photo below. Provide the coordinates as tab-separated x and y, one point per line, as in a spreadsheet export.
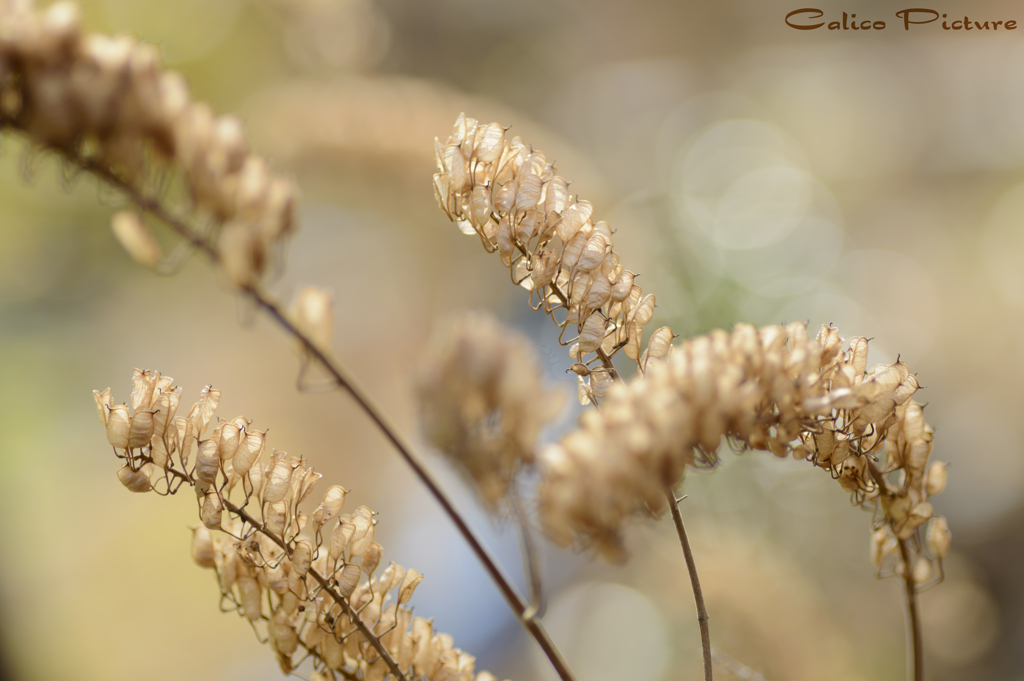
752	172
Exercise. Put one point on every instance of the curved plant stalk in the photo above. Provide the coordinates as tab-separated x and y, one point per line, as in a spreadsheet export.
691	568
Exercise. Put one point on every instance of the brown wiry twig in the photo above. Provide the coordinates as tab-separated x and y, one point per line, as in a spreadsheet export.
915	656
691	567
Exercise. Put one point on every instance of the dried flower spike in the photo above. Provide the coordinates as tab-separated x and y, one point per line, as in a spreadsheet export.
507	194
774	389
308	590
483	402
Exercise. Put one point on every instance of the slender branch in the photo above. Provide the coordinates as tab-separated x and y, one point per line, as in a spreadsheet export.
691	567
915	662
915	654
346	381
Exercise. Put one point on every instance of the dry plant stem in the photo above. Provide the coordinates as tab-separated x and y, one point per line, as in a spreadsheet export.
347	382
915	656
698	596
370	636
915	669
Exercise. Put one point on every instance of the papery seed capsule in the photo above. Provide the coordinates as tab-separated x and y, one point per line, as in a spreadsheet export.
936	479
392	577
302	556
573	219
528	194
364	531
136	480
592	334
118	426
256	479
371	558
202	547
313	312
341	537
922	571
411	580
276	517
939	537
491	143
882	544
140	432
212	511
202	411
278	483
505	197
136	238
480	205
593	252
348	578
207	463
103	405
249	450
334	499
250	595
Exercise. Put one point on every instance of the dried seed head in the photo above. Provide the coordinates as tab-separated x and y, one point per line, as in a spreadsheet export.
411	580
483	402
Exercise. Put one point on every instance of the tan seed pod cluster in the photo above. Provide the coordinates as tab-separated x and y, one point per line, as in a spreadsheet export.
483	402
773	389
312	584
507	193
108	103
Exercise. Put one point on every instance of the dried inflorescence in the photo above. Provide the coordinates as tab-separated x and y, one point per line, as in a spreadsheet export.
483	402
508	194
107	105
307	580
774	389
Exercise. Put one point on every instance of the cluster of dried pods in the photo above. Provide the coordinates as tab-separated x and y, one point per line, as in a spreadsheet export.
508	194
773	389
306	580
483	401
108	105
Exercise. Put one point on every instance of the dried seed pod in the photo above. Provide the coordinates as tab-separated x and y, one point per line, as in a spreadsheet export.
140	432
207	463
491	143
302	555
411	580
922	571
203	553
118	426
248	452
213	510
202	411
371	558
136	480
362	538
136	238
348	578
279	482
935	482
939	537
313	313
340	538
250	595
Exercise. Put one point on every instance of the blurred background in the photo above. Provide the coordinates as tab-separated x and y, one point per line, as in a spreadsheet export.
753	172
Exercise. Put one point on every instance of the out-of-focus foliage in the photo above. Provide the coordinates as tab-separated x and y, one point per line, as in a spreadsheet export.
752	173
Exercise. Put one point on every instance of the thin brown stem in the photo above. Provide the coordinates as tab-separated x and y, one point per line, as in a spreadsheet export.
915	661
349	384
691	567
915	649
